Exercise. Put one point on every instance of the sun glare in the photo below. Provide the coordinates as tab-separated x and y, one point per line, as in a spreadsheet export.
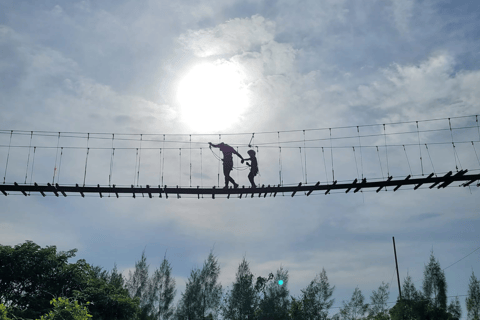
212	96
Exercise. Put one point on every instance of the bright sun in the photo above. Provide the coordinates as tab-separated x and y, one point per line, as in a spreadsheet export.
212	96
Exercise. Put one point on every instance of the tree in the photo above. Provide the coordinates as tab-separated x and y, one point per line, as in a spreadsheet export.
241	301
63	309
296	310
109	300
378	309
473	299
211	290
355	308
454	310
412	306
275	303
316	297
435	284
137	286
202	293
32	276
3	312
189	305
163	291
116	278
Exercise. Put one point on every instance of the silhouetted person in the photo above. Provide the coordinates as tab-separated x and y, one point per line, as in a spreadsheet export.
227	161
253	167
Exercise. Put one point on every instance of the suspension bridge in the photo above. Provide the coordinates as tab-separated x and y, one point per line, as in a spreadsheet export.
425	154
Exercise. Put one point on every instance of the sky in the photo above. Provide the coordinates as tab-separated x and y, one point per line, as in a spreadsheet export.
197	69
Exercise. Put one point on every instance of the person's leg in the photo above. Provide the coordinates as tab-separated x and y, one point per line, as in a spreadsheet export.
226	172
233	181
251	177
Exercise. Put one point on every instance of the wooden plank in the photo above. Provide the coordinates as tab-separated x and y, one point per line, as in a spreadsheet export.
299	185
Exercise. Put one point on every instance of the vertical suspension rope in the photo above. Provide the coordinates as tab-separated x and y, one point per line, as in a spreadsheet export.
360	144
28	159
111	163
420	149
426	147
386	150
180	170
163	158
160	167
135	168
356	164
305	154
258	166
453	145
139	159
86	160
408	160
381	168
56	156
474	149
236	165
279	159
201	168
301	163
325	165
280	165
60	164
331	153
8	156
478	128
218	174
190	160
33	165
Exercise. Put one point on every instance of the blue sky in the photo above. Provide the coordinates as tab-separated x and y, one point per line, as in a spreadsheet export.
117	66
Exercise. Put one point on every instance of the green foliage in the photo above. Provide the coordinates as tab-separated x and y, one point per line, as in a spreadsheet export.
211	289
473	299
137	285
202	293
454	310
412	306
296	310
63	309
162	291
108	300
316	297
3	312
355	308
378	308
32	276
275	303
415	306
435	284
240	303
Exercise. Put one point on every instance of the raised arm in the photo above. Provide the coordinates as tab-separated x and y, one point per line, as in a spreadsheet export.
238	154
214	145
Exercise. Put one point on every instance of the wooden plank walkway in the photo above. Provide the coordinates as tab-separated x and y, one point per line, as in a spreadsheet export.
165	191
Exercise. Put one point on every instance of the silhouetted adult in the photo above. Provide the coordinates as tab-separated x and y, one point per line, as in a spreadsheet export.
227	161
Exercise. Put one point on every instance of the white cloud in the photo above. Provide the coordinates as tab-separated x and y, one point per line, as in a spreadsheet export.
232	37
420	91
402	13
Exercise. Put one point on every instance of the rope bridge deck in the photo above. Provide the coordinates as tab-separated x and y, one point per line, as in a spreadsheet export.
57	190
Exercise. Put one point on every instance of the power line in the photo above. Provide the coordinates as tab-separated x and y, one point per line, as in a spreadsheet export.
454	262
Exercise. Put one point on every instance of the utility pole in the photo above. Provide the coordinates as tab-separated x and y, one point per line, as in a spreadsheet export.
396	265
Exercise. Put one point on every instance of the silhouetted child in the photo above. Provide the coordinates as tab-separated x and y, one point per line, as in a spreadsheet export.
253	167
